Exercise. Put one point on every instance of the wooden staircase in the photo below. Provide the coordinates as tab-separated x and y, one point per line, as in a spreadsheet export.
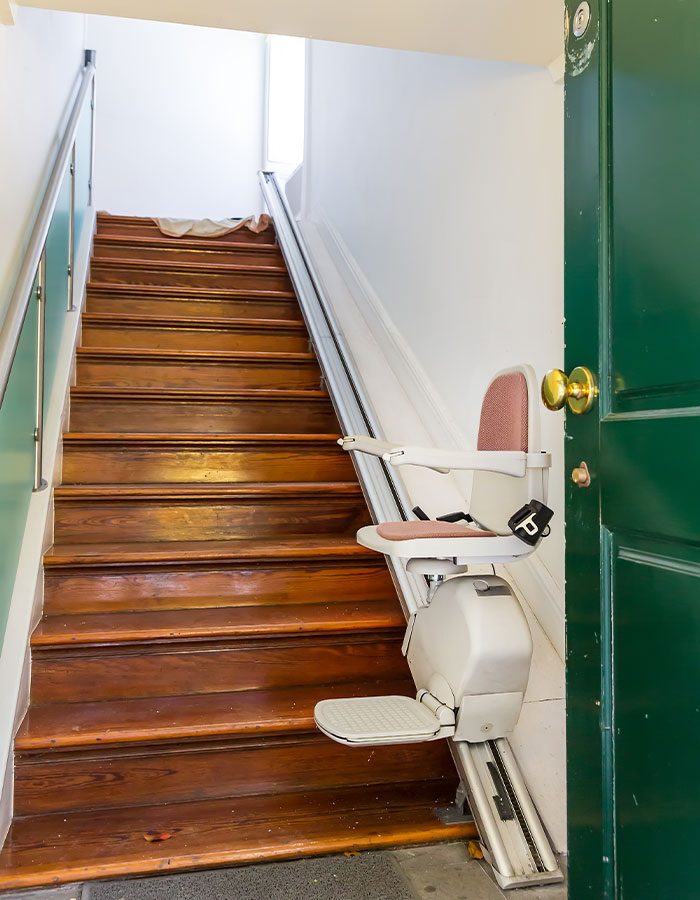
205	590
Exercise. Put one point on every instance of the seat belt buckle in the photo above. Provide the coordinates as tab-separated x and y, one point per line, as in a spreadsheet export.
531	522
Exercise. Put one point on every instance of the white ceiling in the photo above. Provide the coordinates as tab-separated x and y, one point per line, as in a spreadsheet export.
507	30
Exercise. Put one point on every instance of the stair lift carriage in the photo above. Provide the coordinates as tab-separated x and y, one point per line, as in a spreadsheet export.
470	648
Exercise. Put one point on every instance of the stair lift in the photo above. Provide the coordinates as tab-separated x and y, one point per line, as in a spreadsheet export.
469	649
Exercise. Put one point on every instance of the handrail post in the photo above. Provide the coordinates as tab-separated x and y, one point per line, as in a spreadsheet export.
39	481
91	58
71	233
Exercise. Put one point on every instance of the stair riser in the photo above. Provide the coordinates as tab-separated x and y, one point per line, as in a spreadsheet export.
198	376
122	463
122	335
111	675
115	779
203	417
243	255
172	588
143	227
151	519
113	273
233	308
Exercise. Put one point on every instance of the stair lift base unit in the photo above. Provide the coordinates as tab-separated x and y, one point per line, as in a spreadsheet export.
469	653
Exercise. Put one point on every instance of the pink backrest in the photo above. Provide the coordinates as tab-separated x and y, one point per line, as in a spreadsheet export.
504	414
509	421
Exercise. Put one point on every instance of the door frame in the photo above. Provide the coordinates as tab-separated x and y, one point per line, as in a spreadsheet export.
587	289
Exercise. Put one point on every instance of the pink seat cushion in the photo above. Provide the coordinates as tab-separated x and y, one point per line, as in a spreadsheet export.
406	531
504	423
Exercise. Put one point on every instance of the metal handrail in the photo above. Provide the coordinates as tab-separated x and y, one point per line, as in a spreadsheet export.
384	492
11	329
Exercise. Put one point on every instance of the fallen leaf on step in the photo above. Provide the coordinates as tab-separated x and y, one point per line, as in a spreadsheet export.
474	849
351	853
153	836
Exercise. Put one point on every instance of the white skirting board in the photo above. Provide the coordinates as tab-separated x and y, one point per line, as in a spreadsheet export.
27	595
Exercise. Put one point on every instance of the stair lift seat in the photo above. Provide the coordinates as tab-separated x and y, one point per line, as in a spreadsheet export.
509	471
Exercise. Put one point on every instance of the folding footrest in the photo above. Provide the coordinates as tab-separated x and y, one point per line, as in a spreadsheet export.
367	721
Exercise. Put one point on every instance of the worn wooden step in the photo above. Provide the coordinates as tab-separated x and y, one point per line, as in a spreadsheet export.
114	299
220	458
89	845
107	778
210	584
186	333
289	548
196	369
110	629
186	249
206	512
220	666
146	227
105	409
148	300
250	711
187	274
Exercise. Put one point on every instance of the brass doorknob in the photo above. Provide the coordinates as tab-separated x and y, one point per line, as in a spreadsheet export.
581	476
579	390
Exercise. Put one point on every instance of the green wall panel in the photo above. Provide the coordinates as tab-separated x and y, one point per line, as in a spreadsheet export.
56	285
18	410
17	416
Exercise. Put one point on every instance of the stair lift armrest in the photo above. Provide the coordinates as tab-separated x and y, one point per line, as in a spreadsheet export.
504	462
360	443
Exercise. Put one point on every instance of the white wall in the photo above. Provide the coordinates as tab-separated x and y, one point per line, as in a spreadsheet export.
179	118
40	60
444	179
433	203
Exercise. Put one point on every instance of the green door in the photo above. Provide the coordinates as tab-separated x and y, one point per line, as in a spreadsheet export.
633	536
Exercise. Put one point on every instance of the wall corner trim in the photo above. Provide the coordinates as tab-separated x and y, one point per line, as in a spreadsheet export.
557	68
8	12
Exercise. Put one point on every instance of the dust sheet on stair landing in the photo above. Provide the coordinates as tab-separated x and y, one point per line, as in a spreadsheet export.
211	227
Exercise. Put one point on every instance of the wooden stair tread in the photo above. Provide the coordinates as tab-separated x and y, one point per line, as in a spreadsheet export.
202	323
150	393
194	438
306	547
220	621
104	492
188	291
183	243
82	846
178	266
217	357
186	717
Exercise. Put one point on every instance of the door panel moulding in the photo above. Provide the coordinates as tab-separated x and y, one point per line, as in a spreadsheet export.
497	30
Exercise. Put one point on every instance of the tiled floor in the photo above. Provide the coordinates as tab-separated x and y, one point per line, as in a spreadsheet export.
442	872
